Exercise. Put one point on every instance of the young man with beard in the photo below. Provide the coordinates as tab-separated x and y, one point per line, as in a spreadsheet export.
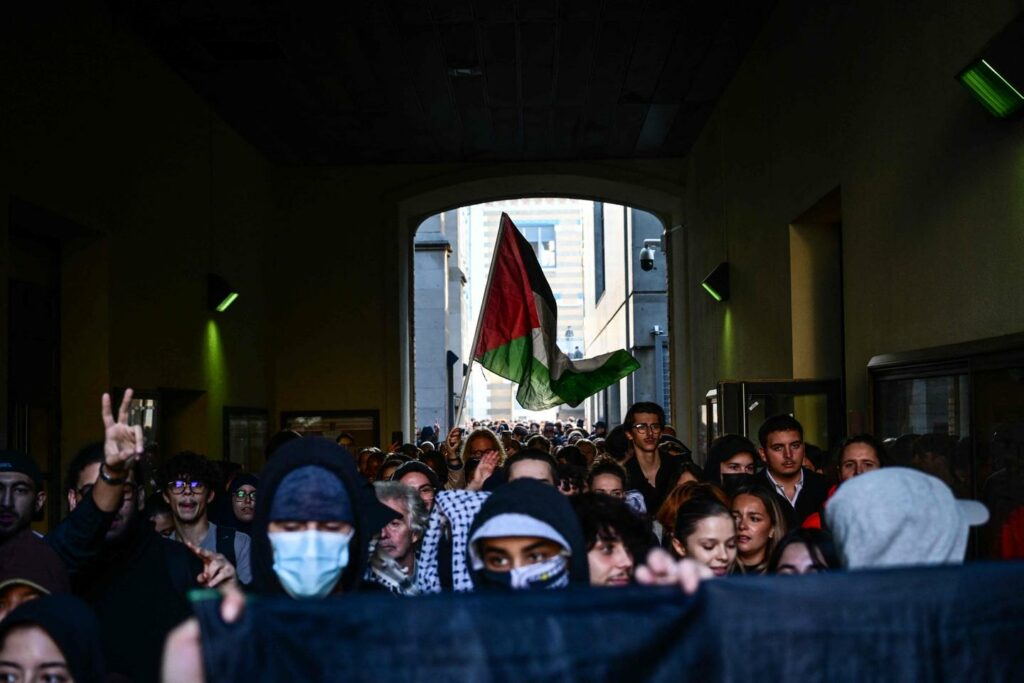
801	491
187	486
135	580
23	553
647	472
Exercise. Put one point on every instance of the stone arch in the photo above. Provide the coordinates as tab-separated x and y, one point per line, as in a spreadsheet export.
597	182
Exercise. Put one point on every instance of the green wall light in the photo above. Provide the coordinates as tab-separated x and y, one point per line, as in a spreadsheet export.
996	76
219	294
717	282
993	91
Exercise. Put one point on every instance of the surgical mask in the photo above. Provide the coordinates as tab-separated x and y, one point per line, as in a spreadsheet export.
551	573
309	563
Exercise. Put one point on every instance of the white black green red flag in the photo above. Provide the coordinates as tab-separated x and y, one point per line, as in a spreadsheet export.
517	333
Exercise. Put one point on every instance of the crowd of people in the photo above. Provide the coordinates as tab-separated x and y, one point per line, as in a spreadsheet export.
500	506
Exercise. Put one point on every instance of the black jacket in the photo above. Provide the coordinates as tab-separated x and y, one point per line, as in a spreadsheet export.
665	481
811	499
543	502
370	514
137	585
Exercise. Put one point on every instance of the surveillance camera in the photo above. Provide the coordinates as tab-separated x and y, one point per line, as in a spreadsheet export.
647	254
647	259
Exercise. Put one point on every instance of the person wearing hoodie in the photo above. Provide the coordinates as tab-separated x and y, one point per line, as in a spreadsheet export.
313	522
896	516
54	638
526	536
242	494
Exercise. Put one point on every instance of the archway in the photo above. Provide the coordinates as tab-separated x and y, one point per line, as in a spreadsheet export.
658	195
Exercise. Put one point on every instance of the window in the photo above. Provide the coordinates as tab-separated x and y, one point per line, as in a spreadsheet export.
598	250
542	238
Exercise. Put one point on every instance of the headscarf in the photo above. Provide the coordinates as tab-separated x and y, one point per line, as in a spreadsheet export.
73	628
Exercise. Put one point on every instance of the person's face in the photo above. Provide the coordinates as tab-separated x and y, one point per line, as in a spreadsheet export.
397	539
371	465
18	502
741	463
610	485
481	446
163	523
685	477
857	458
188	498
644	432
712	543
243	502
132	499
610	563
384	474
784	453
753	526
29	654
588	451
14	595
531	469
421	483
513	552
797	558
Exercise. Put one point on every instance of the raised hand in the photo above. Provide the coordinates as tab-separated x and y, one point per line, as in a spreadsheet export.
122	442
452	443
662	570
488	463
216	568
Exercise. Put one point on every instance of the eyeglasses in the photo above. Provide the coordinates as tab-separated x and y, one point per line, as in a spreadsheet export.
643	428
179	486
241	495
86	491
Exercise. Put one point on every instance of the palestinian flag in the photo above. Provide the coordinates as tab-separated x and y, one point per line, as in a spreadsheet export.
516	334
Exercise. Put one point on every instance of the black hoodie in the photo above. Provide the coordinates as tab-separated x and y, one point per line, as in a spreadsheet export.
73	628
543	502
370	515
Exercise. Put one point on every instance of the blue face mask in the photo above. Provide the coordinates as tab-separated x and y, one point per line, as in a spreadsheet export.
309	563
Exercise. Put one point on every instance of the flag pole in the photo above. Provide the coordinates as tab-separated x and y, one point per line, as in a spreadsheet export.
480	317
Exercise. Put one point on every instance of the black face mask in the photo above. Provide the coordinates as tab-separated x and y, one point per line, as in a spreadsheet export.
731	482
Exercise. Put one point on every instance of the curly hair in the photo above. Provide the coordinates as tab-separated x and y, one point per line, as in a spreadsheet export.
189	463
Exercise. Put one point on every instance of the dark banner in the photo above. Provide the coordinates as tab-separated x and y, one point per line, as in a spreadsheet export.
937	624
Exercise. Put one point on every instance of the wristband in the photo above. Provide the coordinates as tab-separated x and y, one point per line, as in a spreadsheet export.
113	481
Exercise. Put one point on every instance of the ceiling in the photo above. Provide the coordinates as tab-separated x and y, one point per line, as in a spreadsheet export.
386	81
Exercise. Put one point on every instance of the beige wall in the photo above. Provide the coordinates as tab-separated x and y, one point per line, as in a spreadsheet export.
861	97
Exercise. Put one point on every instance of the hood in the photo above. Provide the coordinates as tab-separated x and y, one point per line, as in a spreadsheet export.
541	502
370	515
897	516
73	628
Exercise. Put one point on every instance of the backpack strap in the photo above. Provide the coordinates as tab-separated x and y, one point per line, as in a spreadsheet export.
226	544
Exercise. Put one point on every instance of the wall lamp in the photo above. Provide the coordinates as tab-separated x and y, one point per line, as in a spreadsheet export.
219	294
996	76
717	282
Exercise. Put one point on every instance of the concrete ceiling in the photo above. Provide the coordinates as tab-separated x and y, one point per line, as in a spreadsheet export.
385	81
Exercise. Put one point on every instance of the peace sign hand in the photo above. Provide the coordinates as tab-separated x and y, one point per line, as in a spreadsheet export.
122	442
